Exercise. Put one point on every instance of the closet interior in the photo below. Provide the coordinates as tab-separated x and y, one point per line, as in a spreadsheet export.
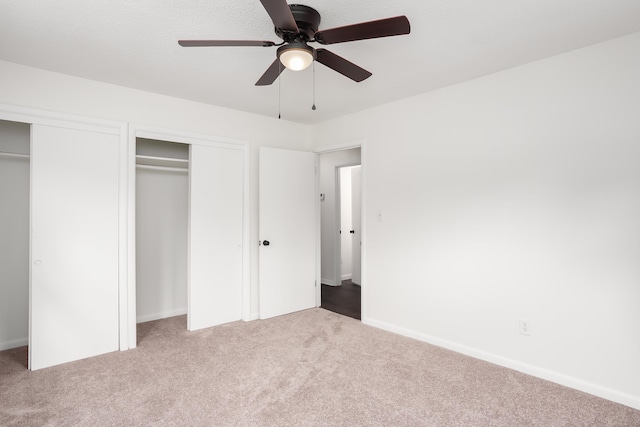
162	191
14	234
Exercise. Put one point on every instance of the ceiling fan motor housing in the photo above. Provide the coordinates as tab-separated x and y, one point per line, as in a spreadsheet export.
308	21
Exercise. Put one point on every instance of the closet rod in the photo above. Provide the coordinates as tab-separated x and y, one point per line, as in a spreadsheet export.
169	158
162	168
23	156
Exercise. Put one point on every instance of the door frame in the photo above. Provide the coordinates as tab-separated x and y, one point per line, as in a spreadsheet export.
170	135
357	143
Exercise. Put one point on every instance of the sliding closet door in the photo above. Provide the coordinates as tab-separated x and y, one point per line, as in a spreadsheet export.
215	236
74	246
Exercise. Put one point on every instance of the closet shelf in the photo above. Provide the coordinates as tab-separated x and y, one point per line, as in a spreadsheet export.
162	161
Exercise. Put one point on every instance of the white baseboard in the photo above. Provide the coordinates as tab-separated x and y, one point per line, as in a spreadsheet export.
254	316
545	374
6	345
346	276
163	315
329	282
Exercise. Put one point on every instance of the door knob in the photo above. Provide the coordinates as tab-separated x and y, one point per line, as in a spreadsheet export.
265	243
353	232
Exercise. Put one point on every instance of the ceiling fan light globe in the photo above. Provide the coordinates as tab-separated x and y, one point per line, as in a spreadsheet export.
296	59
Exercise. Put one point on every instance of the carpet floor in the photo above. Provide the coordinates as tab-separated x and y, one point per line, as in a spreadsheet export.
311	368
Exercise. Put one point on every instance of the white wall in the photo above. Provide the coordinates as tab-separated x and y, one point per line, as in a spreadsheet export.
31	87
516	195
328	163
14	235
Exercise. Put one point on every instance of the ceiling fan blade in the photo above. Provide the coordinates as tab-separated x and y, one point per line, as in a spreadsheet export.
341	65
271	74
366	30
280	14
205	43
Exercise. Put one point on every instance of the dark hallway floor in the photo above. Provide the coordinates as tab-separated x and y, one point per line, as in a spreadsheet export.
344	299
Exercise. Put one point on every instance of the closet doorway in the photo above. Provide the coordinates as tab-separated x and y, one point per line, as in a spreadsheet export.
162	193
187	234
14	236
59	233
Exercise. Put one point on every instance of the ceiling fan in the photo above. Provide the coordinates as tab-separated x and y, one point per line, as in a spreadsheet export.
297	25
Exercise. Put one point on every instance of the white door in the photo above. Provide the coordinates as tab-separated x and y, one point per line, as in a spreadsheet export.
356	191
346	226
74	245
215	236
287	231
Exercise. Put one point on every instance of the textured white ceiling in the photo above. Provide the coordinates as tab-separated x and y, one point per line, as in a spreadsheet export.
134	44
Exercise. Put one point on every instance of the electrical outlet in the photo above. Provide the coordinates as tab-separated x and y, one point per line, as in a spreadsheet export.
525	327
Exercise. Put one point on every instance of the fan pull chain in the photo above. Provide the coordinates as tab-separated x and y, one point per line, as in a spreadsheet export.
279	88
313	107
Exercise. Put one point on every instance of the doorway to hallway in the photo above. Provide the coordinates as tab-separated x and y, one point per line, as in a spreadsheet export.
341	234
344	299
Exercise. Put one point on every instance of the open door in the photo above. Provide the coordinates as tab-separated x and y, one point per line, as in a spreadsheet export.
287	231
356	244
349	189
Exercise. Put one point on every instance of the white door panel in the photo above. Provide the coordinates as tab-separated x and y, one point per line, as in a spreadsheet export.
74	245
356	191
215	236
287	222
346	225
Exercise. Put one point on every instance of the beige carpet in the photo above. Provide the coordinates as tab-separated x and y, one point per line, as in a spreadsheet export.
312	368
